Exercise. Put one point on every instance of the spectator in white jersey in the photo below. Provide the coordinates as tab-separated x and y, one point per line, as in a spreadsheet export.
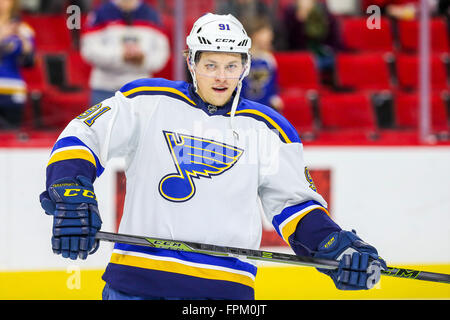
123	41
199	160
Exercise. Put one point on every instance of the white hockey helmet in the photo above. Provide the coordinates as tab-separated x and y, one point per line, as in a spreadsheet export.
218	33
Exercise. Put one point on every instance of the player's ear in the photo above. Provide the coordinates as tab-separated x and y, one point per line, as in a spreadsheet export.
188	64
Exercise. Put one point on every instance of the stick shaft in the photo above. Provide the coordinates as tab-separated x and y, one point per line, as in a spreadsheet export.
258	255
217	250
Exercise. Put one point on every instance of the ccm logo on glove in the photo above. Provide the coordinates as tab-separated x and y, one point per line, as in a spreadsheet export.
76	192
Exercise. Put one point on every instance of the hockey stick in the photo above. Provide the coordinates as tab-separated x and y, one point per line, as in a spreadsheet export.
259	255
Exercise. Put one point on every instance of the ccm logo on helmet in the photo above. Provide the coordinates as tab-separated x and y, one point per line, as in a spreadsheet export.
225	40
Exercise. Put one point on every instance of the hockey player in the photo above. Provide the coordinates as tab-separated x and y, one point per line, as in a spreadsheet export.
199	158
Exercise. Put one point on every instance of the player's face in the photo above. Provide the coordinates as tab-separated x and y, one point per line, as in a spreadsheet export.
217	75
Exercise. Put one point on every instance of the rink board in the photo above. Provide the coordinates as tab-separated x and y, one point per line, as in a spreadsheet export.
272	283
395	197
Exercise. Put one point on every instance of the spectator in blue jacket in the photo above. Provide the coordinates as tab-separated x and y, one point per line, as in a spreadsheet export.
16	51
261	85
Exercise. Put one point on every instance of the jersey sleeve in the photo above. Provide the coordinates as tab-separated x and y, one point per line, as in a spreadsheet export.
286	189
106	130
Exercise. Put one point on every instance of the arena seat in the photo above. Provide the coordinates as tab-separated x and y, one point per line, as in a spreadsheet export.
298	110
55	96
78	70
51	32
408	35
407	70
363	71
343	111
34	76
356	35
167	71
406	108
297	70
59	107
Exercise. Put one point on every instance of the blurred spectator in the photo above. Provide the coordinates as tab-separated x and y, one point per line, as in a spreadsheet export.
59	6
408	9
249	10
398	9
16	51
344	7
261	85
310	26
443	8
243	10
123	42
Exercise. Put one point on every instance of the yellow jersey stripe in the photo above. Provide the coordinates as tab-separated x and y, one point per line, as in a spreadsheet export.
268	119
175	267
72	154
9	91
164	89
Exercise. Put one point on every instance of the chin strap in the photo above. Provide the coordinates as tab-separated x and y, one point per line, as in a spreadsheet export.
234	108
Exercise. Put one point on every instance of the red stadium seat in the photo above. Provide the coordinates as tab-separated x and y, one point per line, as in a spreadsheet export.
59	107
363	71
56	104
406	110
408	32
298	110
78	70
167	71
407	66
358	37
297	70
34	77
347	111
51	32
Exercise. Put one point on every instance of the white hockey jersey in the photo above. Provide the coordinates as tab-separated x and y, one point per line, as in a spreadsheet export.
189	177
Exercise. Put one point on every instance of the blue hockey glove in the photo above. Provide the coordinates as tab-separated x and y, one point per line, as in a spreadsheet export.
360	266
76	219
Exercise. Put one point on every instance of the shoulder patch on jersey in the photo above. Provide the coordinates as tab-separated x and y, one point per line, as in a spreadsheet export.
273	119
310	180
158	86
194	157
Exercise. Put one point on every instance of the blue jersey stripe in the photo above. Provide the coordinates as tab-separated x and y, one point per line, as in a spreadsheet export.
70	168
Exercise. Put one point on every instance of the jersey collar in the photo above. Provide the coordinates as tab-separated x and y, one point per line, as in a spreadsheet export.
210	109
